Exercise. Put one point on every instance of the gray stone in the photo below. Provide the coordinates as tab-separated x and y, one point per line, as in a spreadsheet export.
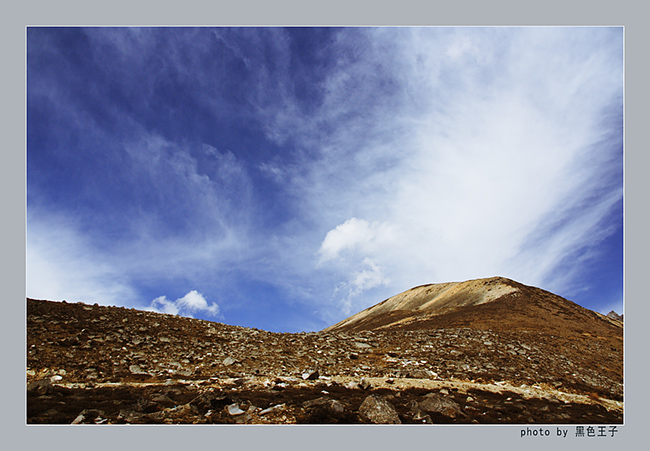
434	402
87	416
376	409
234	410
80	419
275	408
229	361
135	369
334	406
365	384
41	387
310	375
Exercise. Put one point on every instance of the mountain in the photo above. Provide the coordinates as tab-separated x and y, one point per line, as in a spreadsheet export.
483	351
496	303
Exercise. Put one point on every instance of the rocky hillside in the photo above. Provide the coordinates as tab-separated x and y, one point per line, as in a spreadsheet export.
487	361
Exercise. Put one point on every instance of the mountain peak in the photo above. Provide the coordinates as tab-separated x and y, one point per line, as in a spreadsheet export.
495	303
615	316
431	299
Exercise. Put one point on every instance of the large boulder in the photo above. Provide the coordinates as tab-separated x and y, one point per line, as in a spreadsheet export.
376	409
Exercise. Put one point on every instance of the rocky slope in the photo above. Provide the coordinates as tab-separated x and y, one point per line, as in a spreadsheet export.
471	364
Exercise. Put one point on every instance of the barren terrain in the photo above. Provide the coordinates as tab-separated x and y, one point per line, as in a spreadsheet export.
523	356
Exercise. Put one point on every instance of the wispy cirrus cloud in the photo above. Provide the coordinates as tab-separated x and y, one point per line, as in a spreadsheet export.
482	151
62	264
173	219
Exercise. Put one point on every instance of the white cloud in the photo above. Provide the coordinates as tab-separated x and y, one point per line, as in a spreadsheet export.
369	276
195	301
192	303
365	276
163	305
502	166
354	235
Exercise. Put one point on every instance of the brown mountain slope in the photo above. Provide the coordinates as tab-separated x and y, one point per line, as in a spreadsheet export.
497	304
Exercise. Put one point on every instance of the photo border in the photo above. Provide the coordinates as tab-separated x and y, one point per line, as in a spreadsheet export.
340	13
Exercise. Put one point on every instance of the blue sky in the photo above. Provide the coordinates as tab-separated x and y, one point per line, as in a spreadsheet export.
286	178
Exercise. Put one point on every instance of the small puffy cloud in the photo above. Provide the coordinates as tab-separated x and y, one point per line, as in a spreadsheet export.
354	235
192	302
162	305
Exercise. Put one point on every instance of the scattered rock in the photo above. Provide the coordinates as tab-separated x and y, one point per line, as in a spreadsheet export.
41	387
229	361
376	409
272	409
135	369
234	410
310	375
88	416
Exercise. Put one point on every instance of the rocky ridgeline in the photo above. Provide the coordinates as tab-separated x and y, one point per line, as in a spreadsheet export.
95	364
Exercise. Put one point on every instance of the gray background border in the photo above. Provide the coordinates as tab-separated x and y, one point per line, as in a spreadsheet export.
16	434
